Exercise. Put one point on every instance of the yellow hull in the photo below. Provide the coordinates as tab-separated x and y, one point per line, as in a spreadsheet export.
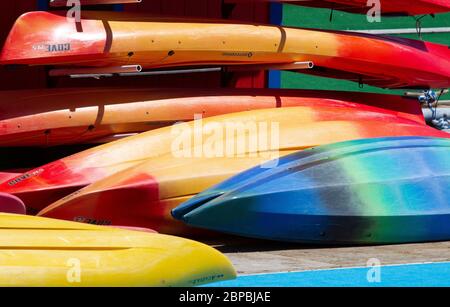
44	252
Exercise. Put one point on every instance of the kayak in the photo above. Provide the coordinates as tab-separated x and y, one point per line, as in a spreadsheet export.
370	191
44	185
143	195
388	7
44	252
11	204
52	117
112	41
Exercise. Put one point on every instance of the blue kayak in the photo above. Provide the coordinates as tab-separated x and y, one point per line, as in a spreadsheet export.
369	191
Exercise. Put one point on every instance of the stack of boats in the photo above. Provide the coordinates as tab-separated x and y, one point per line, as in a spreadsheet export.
291	165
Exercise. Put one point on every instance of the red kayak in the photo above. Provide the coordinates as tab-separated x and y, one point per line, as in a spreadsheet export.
108	44
388	7
51	117
44	185
11	204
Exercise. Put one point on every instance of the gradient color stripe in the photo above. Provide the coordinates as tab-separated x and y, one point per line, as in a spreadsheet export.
386	190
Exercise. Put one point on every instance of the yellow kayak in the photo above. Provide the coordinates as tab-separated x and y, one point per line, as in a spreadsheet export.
45	252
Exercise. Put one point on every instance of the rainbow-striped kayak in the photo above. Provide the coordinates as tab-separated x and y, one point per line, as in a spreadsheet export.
44	252
370	191
109	40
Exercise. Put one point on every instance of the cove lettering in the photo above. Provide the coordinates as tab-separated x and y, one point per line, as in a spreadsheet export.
53	47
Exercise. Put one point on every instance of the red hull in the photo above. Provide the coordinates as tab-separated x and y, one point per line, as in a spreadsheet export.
75	116
11	204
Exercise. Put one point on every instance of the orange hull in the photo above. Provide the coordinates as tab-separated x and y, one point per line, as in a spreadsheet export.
75	116
111	40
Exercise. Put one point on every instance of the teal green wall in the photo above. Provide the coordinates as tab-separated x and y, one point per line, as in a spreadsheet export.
297	16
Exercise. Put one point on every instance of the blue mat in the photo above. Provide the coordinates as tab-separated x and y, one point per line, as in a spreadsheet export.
409	275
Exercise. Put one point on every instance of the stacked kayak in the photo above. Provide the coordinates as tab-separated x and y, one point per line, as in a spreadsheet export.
386	190
326	121
172	144
108	42
321	167
44	252
51	117
144	194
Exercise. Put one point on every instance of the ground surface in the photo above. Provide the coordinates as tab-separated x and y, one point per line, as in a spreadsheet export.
255	257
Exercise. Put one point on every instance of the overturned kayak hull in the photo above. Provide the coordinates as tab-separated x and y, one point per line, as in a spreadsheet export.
373	191
109	40
44	185
11	204
43	252
53	117
144	194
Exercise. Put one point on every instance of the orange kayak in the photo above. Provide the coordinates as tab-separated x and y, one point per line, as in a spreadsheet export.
111	41
300	127
50	117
